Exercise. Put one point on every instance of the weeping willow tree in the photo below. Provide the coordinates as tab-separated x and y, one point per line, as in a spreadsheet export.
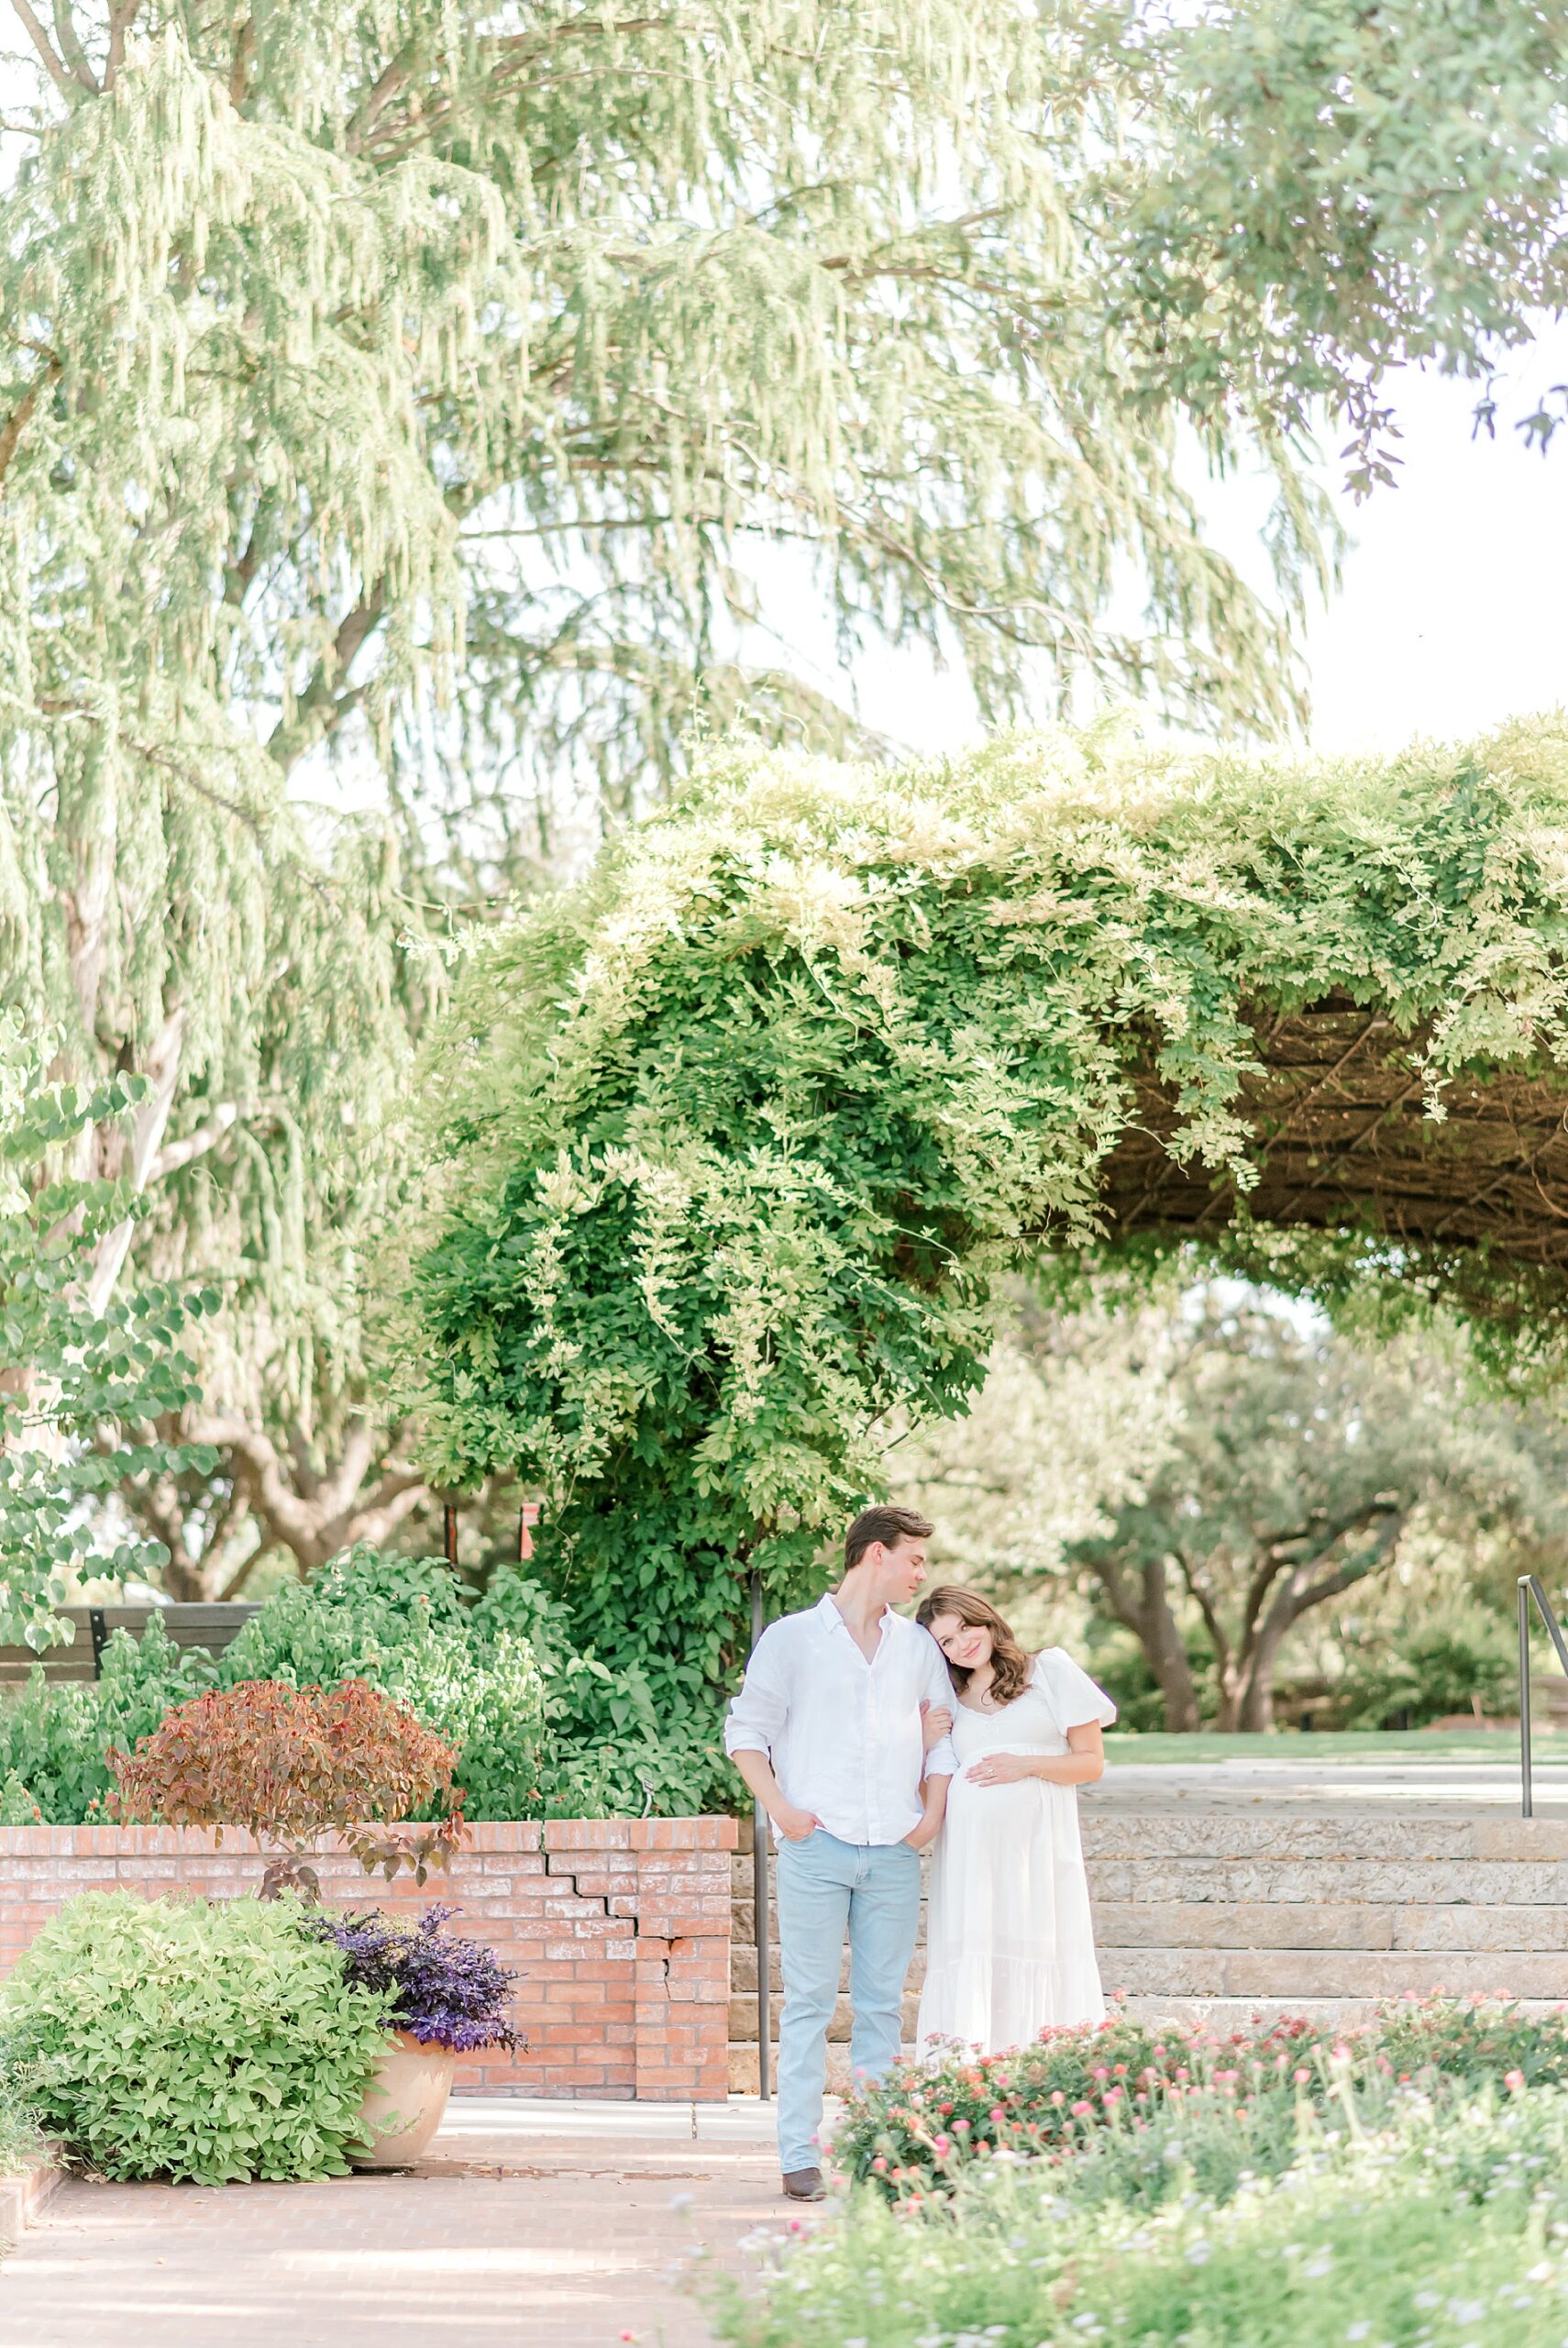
388	396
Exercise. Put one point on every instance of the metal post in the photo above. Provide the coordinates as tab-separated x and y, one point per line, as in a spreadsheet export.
1527	1795
99	1636
759	1850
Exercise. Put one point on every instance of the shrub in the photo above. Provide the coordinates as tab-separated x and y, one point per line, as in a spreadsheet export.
179	2038
444	1990
290	1763
1437	1669
540	1730
55	1738
399	1625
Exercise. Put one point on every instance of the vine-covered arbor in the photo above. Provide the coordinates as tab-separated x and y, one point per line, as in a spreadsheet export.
1343	1136
747	1127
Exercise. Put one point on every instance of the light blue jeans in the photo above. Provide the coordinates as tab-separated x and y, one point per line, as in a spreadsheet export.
871	1890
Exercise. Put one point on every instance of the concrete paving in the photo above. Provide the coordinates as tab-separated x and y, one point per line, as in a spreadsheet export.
530	2225
1465	1785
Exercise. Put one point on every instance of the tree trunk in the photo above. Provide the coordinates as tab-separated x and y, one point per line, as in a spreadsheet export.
1164	1645
364	1496
1257	1702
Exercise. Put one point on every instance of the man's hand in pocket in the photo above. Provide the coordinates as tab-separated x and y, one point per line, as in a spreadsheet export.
794	1825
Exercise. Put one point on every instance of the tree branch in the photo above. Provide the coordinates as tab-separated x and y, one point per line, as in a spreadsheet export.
1355	1569
286	1516
16	423
176	1154
71	48
318	709
336	1491
1209	1613
121	18
45	47
164	1064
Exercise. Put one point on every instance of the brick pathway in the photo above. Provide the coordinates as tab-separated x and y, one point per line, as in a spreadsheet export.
559	2227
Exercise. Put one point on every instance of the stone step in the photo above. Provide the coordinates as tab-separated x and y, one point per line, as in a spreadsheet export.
1305	1924
1505	1883
1295	1974
1290	1834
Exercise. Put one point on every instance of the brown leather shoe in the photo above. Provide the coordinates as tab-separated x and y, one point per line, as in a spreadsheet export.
804	2185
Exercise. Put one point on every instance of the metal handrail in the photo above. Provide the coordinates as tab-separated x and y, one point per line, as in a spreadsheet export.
1529	1587
759	1851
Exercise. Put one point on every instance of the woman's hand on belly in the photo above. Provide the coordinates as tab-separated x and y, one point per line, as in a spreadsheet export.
1004	1768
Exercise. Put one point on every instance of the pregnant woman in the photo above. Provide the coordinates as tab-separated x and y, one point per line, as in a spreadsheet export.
1010	1948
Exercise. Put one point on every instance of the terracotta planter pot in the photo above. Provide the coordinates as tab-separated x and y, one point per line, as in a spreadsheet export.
404	2101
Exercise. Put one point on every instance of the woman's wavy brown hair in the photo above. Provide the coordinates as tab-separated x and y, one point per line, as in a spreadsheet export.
1011	1664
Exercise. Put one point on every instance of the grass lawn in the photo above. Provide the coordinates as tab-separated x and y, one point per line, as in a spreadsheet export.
1403	1745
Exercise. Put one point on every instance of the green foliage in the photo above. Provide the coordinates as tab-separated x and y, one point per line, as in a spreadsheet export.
18	1806
1340	2206
183	2039
735	1143
79	1383
540	1729
1440	1668
55	1737
21	2145
398	1625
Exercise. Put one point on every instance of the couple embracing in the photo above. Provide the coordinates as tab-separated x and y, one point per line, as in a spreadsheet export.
864	1736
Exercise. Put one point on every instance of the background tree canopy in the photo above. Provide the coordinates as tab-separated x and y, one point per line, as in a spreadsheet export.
404	389
743	1133
1221	1497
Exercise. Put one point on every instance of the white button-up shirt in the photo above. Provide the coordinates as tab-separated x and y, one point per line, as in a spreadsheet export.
844	1736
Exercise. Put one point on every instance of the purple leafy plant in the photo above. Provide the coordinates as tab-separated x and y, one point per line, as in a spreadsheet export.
446	1991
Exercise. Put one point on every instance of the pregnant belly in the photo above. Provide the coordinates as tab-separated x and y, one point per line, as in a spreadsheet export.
1005	1809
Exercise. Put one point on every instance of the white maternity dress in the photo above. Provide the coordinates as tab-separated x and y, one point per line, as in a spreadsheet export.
1010	1946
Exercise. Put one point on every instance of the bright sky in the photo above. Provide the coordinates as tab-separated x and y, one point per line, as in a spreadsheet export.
1454	611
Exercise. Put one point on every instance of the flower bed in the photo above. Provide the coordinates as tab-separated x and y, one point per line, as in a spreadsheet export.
1390	2191
920	2126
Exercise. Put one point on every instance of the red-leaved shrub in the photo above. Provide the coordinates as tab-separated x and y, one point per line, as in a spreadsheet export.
290	1765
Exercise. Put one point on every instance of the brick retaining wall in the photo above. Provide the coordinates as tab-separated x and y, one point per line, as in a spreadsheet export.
620	1931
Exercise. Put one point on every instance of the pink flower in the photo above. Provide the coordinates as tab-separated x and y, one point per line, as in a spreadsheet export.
997	2113
1301	2076
1514	2080
942	2146
1079	2110
879	2165
1057	2098
960	2127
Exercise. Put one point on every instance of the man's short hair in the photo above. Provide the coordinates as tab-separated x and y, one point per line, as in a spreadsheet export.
888	1525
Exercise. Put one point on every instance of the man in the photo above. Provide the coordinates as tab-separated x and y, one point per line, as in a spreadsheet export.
829	1731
